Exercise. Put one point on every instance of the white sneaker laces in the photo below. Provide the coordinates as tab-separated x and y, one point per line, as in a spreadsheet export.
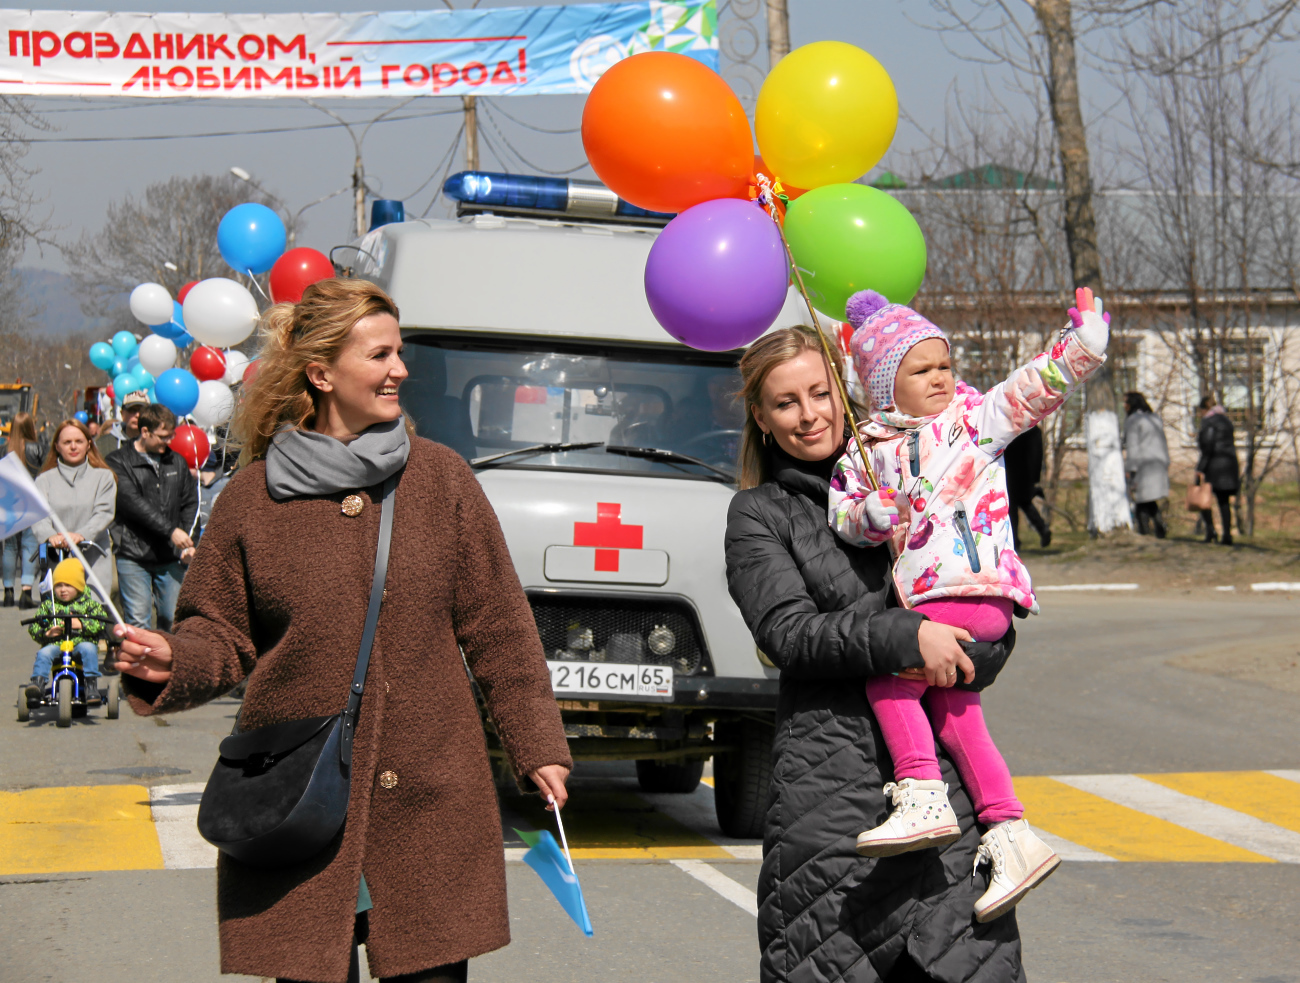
990	852
904	796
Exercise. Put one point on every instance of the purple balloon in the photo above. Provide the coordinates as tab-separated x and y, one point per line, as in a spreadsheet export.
717	276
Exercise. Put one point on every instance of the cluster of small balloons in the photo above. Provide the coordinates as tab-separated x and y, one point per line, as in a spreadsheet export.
217	314
667	133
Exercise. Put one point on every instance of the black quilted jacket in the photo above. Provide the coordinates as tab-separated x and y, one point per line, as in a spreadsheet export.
823	612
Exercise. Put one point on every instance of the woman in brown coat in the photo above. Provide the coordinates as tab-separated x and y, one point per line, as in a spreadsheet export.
278	592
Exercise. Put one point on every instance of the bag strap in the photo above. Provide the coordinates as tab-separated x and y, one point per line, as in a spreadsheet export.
372	622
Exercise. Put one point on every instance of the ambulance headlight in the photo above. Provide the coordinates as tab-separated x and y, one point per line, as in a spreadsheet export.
661	640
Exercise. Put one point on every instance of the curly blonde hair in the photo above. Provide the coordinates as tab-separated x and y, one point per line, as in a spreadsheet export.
293	336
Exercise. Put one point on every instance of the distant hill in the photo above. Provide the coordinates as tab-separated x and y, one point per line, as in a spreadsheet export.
58	312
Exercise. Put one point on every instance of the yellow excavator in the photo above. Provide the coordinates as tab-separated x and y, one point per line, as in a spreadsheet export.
15	397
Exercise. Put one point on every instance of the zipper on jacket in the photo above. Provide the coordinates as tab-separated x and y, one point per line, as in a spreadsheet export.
914	452
967	537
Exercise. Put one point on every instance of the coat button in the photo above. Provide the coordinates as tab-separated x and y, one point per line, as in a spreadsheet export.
388	779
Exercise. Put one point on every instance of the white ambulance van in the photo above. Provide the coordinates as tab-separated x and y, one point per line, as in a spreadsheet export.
608	451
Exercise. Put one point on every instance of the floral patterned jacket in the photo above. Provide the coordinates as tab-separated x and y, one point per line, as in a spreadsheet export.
84	606
948	470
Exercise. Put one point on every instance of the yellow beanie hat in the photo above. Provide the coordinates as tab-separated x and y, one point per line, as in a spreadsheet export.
70	572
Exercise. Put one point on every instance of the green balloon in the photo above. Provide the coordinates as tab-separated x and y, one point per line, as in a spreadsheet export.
849	237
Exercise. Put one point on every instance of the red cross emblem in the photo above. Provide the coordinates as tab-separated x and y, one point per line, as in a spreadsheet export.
608	534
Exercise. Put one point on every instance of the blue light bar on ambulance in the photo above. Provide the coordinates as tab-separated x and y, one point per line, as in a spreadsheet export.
583	199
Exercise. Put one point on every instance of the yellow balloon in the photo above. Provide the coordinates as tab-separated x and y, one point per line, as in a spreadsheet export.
826	114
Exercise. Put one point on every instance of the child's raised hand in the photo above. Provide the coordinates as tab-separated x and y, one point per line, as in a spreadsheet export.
1091	324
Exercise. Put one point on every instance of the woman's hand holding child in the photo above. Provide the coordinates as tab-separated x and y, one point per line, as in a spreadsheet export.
944	657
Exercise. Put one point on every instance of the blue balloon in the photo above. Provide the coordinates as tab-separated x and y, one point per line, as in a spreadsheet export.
183	340
251	238
120	367
81	416
102	355
124	344
122	385
177	390
174	328
133	363
143	377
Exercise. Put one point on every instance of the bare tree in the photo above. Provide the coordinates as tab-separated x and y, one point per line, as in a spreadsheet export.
1220	224
168	235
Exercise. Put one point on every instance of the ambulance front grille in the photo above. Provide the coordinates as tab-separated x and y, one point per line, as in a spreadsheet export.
587	627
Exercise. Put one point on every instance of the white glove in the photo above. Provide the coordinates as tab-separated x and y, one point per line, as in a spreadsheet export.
1090	323
880	509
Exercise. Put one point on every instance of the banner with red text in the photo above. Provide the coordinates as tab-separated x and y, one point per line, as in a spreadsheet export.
507	51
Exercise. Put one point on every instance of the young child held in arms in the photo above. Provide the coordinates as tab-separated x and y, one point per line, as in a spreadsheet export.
70	598
936	447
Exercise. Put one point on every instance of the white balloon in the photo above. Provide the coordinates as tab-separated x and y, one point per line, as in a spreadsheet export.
219	312
216	403
236	362
151	304
157	354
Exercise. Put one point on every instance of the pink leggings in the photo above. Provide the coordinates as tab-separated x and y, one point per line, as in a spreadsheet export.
954	714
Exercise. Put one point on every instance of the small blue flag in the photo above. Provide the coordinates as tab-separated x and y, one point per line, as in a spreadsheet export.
554	869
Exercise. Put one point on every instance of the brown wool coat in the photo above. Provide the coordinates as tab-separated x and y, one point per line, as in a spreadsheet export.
278	593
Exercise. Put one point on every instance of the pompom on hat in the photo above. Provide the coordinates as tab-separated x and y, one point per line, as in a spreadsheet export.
883	334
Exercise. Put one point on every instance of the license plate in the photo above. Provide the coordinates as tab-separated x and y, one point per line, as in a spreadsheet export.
595	679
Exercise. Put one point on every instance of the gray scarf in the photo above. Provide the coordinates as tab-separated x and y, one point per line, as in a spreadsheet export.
303	462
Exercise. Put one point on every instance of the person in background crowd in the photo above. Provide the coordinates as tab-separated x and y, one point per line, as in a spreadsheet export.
1146	460
19	556
82	491
92	427
126	429
157	504
1023	459
1218	465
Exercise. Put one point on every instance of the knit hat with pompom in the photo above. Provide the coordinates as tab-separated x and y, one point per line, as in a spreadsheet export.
883	334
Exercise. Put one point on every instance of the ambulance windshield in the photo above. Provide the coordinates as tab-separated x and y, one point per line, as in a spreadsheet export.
484	396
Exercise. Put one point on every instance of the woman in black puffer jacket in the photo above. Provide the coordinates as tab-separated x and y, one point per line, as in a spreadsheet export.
1218	465
824	613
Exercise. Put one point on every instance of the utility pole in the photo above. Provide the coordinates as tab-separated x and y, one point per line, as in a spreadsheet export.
359	192
471	132
778	32
1108	507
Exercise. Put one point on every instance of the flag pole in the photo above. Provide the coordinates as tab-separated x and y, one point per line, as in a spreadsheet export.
90	573
563	841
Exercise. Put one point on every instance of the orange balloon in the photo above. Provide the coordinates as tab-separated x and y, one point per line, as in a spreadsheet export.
789	191
666	132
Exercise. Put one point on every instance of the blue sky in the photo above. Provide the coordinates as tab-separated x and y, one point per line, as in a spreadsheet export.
77	180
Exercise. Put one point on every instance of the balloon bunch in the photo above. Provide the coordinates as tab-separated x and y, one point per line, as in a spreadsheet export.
666	133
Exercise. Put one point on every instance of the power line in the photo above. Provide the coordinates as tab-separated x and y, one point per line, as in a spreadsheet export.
451	157
226	133
526	162
436	167
538	129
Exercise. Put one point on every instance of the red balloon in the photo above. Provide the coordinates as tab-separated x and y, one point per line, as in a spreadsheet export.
192	444
250	370
207	363
109	389
180	294
297	270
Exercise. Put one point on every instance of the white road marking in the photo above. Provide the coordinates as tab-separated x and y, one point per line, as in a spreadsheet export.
175	811
1192	813
1068	850
1064	587
1290	776
714	879
1278	585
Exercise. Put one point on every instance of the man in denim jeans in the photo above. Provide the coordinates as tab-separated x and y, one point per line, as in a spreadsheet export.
157	502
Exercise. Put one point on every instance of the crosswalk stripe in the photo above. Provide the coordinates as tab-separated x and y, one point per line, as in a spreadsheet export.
735	892
89	828
1115	830
1067	850
1225	825
1290	776
175	814
1256	793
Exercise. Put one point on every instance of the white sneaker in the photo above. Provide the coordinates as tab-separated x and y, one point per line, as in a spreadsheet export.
1020	861
921	818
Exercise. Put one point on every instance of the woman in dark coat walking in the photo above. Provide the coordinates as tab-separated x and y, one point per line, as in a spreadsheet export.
278	592
824	613
1217	465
